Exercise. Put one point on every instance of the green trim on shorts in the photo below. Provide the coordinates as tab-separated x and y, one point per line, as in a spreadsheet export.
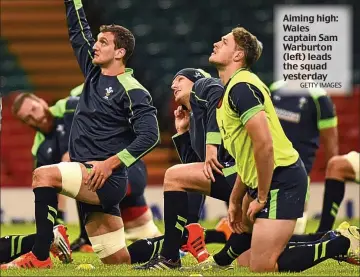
273	203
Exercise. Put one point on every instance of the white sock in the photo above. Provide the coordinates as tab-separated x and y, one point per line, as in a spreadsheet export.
301	225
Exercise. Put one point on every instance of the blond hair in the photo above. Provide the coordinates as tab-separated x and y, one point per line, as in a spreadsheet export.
249	43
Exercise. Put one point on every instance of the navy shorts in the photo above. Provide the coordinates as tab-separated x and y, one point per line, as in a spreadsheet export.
137	175
110	195
223	185
220	189
286	198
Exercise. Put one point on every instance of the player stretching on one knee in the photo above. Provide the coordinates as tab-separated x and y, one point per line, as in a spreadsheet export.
205	169
269	193
137	217
114	125
340	169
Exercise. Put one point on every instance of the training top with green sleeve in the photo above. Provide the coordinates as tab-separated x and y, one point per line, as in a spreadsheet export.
303	115
115	114
76	91
245	96
49	148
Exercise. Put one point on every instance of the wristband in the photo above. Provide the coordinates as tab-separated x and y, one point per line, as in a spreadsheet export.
261	202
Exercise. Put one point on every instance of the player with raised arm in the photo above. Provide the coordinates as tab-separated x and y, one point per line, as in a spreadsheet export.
114	125
137	217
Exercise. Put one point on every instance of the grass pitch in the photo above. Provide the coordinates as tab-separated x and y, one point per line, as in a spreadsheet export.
327	268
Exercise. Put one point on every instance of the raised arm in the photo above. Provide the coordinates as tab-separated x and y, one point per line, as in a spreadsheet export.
181	140
80	35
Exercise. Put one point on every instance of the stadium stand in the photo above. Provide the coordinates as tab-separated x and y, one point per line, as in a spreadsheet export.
171	34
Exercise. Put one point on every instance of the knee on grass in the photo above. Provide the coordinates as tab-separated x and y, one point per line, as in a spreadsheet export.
111	247
263	263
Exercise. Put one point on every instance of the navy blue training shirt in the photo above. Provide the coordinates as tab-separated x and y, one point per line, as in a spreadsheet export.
49	148
115	114
191	145
302	116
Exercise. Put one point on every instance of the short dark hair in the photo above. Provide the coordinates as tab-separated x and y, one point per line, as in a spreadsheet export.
19	100
123	38
249	43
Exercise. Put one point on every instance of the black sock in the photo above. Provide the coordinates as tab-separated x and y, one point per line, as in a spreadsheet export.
175	215
14	246
333	195
196	203
234	247
45	214
301	257
143	250
213	236
83	233
184	237
60	218
301	239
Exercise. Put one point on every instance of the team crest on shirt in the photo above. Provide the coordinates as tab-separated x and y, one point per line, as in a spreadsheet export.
61	129
302	102
108	90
